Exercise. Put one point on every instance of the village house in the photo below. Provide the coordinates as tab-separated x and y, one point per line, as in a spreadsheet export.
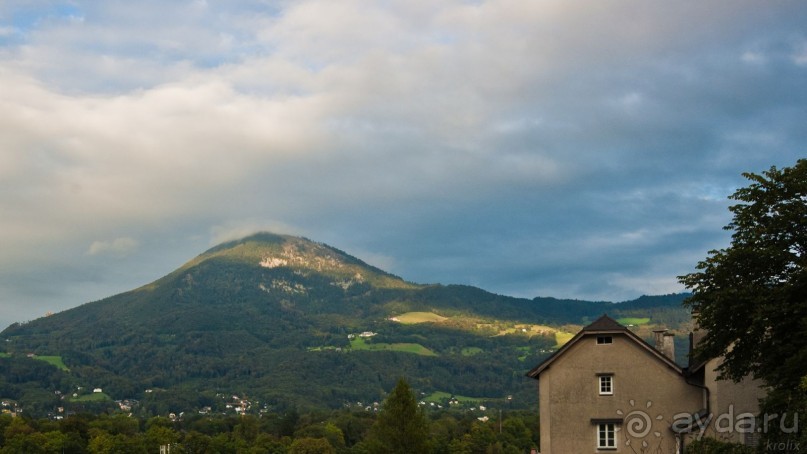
607	390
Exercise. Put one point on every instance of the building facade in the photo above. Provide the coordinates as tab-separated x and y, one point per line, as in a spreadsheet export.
607	390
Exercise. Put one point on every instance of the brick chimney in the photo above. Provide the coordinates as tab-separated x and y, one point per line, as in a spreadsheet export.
665	343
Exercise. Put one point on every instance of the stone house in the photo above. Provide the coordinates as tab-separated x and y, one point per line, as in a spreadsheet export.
607	390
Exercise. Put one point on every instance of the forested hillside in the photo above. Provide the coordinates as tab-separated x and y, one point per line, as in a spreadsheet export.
294	324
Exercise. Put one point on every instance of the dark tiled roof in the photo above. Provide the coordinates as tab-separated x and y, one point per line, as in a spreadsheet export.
605	323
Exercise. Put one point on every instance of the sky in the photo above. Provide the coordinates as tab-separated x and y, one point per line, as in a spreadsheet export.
573	149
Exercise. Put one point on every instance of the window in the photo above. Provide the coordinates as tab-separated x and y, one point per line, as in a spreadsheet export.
601	340
606	432
606	436
606	384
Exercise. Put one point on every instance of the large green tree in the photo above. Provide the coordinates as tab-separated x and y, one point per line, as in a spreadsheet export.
751	297
401	426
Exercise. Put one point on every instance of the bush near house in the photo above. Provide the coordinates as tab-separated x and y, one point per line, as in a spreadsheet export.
712	446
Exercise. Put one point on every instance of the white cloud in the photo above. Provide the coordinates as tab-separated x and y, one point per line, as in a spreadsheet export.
397	128
755	58
119	247
800	56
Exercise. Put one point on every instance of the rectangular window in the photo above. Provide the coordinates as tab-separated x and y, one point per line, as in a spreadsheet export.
601	340
606	385
606	436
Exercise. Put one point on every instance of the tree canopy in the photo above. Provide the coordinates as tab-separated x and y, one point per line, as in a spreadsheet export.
752	296
340	431
401	426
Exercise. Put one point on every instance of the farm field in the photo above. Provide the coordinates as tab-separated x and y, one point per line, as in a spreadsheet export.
53	360
94	397
561	337
410	318
361	344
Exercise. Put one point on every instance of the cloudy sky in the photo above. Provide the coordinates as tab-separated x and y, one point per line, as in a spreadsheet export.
576	149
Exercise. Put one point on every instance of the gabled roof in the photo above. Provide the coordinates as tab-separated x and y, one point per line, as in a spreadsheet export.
603	325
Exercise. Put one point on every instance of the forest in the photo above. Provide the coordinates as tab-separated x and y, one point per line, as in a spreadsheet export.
384	429
337	431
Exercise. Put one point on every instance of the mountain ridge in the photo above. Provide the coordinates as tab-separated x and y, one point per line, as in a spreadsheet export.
260	314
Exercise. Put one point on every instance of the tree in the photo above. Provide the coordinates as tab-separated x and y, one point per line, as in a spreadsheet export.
751	297
308	445
196	442
401	426
481	437
517	434
158	435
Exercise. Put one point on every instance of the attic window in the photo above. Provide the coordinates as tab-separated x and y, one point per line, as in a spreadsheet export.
601	340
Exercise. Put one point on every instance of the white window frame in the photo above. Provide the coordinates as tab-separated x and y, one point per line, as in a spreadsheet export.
605	384
606	435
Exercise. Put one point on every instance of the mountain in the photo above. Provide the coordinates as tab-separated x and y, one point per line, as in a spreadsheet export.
293	323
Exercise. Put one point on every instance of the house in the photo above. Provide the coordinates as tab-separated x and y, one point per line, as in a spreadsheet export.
607	390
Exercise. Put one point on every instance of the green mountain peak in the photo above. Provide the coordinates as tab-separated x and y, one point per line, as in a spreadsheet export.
270	251
295	322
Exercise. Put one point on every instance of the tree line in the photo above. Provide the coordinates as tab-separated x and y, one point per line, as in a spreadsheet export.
401	425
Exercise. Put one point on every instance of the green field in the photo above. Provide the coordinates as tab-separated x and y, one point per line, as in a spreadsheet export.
561	338
411	318
94	397
634	320
360	344
4	355
54	360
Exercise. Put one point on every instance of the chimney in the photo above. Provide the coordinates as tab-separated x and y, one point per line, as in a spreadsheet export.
665	343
